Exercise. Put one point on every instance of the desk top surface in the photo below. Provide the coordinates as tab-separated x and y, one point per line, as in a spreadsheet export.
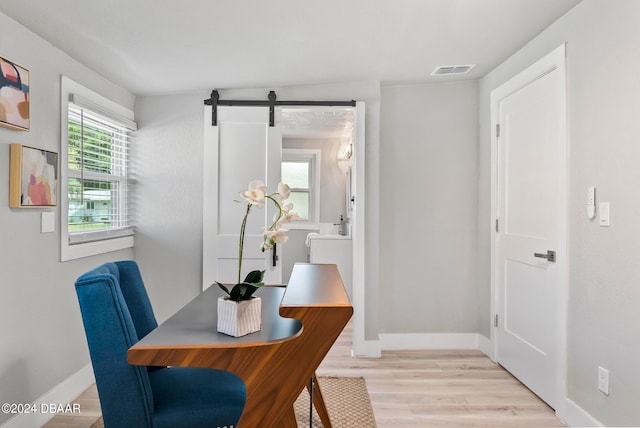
196	323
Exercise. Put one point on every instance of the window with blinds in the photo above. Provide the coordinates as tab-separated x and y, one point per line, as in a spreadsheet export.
97	173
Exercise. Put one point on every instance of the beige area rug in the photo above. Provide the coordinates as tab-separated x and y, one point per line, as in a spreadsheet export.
347	401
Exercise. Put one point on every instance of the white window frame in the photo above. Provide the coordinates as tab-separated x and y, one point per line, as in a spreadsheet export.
313	158
100	104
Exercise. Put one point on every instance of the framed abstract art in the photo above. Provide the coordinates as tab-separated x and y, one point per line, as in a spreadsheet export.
14	96
33	177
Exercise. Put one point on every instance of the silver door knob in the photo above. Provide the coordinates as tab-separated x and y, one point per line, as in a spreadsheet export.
550	256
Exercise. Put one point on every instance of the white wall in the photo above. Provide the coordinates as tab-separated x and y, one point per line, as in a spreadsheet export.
603	40
428	208
168	151
42	340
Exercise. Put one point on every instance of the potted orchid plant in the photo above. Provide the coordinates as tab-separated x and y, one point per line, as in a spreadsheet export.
240	298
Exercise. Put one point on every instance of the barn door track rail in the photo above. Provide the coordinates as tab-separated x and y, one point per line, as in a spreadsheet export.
270	102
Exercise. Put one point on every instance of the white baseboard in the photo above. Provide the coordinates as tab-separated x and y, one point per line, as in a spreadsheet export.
367	349
486	347
423	341
62	394
575	416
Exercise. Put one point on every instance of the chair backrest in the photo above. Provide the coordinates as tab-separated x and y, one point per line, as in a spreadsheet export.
135	295
125	392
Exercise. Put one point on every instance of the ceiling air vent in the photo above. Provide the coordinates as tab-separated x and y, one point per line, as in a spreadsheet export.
448	70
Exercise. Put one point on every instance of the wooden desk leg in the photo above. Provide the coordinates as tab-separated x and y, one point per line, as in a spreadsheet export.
318	403
289	419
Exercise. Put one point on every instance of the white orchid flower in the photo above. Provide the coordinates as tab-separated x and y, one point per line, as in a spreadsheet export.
287	216
284	191
256	192
287	207
278	235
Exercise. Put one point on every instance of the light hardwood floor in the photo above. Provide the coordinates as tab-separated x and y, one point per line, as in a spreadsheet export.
447	389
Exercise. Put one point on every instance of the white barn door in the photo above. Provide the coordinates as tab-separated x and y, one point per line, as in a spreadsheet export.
241	148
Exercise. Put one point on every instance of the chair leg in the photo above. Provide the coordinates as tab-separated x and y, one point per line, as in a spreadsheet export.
318	402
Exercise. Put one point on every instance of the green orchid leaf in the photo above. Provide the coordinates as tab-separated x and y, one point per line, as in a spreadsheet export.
251	288
242	291
254	277
236	292
225	289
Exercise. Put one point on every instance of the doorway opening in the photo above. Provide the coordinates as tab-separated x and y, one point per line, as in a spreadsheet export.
317	156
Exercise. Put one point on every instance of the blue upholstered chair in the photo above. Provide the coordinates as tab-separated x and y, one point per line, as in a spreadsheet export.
116	313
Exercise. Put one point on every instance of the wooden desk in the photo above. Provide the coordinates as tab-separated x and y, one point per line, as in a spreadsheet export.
275	363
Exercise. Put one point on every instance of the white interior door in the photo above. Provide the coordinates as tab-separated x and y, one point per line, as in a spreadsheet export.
242	147
531	213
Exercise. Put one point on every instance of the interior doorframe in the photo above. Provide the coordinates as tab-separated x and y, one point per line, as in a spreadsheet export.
360	346
358	290
555	60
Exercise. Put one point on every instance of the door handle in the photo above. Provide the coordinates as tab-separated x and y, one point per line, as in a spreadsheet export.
274	256
550	256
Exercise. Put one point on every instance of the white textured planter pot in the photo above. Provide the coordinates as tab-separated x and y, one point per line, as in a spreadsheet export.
239	318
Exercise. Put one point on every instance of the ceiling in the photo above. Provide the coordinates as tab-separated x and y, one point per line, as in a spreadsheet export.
159	46
327	122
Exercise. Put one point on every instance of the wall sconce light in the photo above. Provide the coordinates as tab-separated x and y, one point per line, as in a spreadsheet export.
345	152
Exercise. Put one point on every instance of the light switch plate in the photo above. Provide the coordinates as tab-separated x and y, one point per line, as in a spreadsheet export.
591	203
48	222
603	380
604	219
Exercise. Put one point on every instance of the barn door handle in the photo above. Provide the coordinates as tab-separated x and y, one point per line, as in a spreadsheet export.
550	256
274	256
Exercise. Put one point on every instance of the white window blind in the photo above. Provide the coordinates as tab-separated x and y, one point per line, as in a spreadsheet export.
98	182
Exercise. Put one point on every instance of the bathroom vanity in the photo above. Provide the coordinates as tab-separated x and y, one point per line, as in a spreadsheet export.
333	249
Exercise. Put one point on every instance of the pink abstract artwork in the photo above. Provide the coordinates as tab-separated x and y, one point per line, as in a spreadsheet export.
33	177
14	95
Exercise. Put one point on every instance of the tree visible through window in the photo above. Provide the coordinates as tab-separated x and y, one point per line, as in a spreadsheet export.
94	174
